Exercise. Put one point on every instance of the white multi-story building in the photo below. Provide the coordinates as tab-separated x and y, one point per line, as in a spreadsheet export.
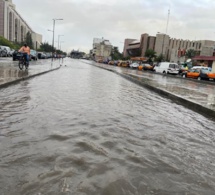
13	27
101	48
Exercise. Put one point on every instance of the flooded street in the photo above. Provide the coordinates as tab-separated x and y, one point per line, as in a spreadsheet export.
84	130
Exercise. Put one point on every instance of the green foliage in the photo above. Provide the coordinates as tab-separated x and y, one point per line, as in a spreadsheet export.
115	54
150	53
28	40
126	58
46	47
190	53
5	42
160	58
10	44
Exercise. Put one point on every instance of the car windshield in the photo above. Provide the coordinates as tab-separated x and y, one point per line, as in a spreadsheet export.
205	70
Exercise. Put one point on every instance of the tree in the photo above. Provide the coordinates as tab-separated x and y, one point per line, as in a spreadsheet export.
150	53
46	47
28	40
190	53
115	54
160	58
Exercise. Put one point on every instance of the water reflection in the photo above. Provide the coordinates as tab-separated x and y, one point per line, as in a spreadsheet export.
83	130
6	73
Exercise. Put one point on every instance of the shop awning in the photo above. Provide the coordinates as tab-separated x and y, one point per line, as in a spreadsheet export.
208	58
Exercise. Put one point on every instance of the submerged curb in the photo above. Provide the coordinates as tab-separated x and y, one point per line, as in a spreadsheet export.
26	77
178	99
207	112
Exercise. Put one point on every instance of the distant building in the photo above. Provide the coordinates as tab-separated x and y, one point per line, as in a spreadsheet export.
13	27
174	50
77	54
101	49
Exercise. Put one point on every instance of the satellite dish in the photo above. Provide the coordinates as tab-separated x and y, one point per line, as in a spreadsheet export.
188	60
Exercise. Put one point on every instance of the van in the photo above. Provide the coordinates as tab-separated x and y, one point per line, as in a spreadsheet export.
167	68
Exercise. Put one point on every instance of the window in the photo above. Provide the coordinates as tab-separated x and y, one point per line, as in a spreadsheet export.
172	66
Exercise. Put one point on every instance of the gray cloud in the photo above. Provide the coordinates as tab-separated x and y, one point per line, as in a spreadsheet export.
117	19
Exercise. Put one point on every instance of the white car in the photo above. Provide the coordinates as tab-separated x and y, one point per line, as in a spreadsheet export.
134	65
202	67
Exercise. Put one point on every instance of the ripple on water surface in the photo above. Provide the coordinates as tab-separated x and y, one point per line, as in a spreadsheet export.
83	130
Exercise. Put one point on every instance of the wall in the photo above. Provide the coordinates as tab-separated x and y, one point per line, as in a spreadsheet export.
1	18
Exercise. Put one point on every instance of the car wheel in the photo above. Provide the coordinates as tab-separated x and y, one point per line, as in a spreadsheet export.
199	78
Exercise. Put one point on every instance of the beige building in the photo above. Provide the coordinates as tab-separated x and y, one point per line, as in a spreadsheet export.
13	27
174	50
101	48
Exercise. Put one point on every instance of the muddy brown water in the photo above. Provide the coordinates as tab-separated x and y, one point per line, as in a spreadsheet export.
83	130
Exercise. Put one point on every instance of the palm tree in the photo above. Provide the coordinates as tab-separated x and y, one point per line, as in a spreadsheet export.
150	53
190	53
160	58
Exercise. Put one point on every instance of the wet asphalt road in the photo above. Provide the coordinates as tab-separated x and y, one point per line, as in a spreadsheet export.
83	130
200	92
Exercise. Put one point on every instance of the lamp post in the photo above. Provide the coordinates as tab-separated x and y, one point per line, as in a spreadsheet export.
53	37
59	40
60	44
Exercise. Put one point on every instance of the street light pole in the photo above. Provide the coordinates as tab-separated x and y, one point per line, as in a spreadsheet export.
59	40
60	44
53	37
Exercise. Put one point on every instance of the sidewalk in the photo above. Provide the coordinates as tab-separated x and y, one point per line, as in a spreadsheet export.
10	73
196	95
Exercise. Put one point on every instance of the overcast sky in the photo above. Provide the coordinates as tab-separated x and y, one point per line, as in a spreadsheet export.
116	20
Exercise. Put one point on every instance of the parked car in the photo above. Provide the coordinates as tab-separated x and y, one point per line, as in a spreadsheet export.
134	65
167	68
16	55
11	52
6	49
3	52
41	55
146	67
182	69
199	73
33	54
111	62
123	63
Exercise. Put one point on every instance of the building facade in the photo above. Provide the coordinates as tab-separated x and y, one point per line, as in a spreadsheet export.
101	49
13	27
173	50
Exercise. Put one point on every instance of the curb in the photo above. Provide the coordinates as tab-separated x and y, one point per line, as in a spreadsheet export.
25	78
182	101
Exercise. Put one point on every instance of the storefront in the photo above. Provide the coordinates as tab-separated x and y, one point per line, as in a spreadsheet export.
208	61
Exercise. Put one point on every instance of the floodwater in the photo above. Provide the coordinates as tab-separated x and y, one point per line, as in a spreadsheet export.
84	130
